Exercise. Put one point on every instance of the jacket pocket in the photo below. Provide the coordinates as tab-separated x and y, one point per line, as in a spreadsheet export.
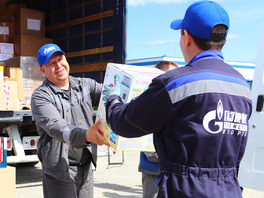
51	154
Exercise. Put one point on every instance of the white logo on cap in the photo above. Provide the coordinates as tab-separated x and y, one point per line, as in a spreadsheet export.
47	50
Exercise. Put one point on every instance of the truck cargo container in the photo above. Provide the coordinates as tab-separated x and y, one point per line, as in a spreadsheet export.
91	32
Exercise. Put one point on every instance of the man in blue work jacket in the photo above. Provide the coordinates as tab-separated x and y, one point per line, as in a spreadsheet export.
198	113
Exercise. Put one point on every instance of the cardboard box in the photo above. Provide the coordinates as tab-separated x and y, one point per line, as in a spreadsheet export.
7	31
29	65
8	182
8	95
29	85
1	72
24	104
30	22
14	8
134	81
7	48
3	2
26	45
4	57
17	74
5	14
32	76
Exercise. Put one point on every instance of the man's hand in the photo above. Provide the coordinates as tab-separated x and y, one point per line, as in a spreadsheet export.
92	135
112	89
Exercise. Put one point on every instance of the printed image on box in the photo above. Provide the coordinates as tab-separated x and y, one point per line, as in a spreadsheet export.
134	80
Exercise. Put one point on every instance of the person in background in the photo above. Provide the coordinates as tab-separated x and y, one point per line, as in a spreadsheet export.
62	109
149	161
198	113
166	65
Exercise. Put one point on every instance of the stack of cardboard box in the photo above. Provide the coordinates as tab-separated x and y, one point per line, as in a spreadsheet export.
25	70
8	91
30	32
6	34
22	33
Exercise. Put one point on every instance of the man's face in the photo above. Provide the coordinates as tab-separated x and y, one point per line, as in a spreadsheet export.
57	69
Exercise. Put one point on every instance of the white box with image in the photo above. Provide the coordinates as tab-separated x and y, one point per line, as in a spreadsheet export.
134	80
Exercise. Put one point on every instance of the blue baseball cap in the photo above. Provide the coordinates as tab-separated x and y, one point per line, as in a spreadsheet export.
201	17
46	51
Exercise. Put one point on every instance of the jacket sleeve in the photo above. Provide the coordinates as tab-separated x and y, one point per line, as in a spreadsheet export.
146	114
96	89
49	120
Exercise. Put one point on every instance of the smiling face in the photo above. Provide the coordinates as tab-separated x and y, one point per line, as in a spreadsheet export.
57	70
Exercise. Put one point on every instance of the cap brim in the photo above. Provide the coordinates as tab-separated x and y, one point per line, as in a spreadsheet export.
50	55
176	24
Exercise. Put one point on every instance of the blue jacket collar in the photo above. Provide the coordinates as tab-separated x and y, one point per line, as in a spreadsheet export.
209	54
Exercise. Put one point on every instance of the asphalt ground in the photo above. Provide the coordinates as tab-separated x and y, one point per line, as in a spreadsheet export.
116	176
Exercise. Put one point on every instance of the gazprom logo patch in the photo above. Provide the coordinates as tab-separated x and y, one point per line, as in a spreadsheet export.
226	122
47	50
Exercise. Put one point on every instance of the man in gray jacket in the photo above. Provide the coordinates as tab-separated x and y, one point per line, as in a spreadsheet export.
62	108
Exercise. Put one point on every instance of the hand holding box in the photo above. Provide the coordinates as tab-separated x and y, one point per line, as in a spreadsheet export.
128	82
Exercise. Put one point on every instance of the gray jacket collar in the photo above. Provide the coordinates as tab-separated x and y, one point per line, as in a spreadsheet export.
56	89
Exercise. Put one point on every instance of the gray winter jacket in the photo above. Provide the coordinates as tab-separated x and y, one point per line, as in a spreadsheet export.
52	108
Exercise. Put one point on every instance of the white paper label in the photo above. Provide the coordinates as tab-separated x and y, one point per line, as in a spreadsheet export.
33	24
4	30
7	48
4	57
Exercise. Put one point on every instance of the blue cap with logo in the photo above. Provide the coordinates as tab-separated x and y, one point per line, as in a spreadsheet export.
46	51
201	17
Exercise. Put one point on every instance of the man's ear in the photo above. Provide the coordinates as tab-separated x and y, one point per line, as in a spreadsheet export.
188	38
42	70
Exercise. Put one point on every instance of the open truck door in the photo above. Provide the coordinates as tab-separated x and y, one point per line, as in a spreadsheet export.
251	170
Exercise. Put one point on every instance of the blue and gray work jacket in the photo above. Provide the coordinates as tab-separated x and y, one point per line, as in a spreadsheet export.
199	117
53	111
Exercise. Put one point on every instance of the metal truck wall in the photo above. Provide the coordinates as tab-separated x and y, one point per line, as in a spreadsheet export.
91	32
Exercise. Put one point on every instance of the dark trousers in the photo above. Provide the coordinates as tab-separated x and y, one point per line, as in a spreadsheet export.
80	188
